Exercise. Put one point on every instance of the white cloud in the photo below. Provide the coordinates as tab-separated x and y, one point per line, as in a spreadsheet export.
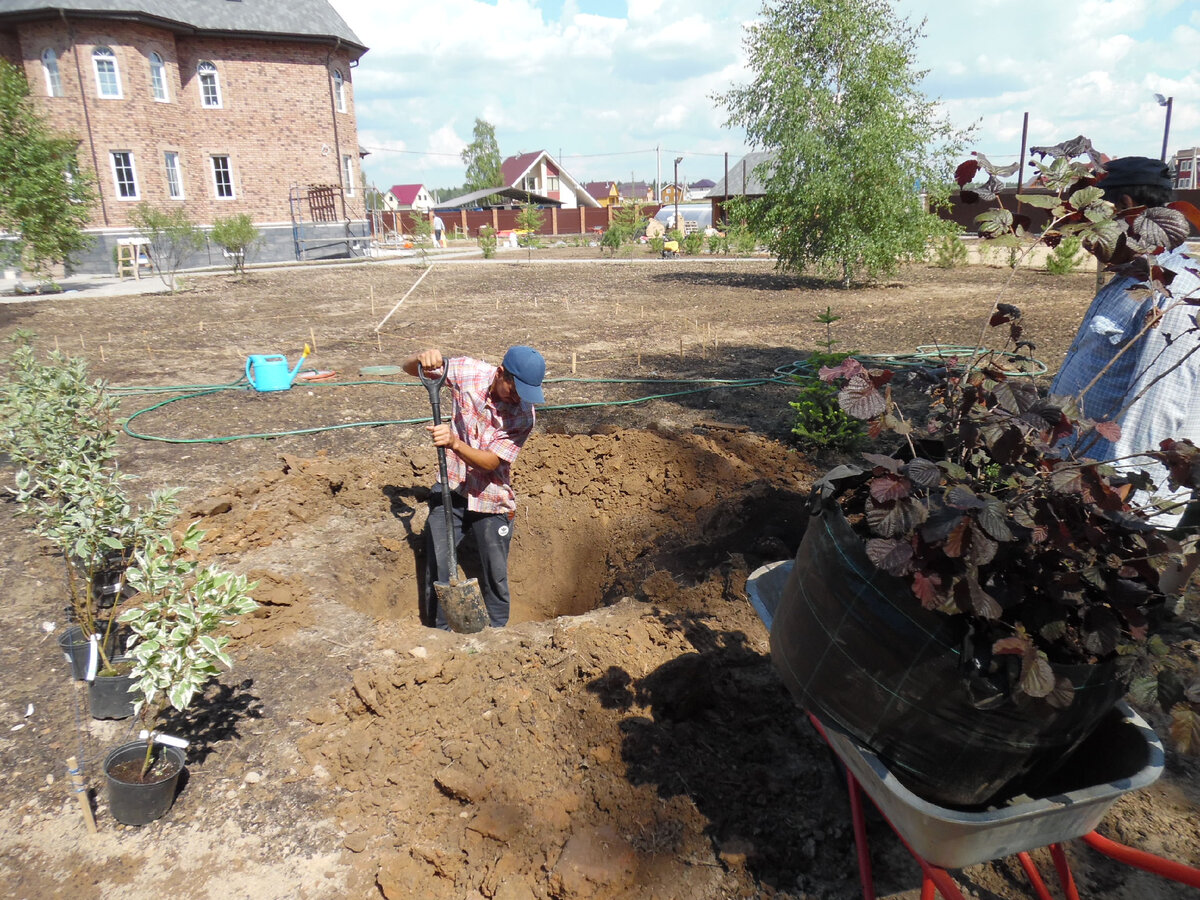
604	88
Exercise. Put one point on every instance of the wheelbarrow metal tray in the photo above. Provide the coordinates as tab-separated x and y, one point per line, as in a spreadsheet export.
1124	754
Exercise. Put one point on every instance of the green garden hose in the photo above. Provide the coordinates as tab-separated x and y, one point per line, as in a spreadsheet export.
924	357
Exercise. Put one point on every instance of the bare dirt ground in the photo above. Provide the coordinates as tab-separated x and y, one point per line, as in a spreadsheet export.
626	736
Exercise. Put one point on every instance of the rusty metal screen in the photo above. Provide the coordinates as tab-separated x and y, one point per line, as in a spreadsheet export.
322	205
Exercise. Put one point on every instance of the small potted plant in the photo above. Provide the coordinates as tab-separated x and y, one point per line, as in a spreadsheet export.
972	604
176	648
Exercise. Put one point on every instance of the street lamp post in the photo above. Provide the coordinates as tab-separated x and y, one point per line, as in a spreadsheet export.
1165	101
678	160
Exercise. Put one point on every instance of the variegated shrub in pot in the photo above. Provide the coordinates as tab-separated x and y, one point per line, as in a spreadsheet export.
176	646
972	605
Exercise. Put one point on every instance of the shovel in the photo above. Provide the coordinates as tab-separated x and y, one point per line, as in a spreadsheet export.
460	600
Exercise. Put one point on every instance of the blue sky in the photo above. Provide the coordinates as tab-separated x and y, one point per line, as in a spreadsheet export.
601	84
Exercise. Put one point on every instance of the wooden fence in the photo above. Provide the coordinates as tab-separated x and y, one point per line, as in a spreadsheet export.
467	222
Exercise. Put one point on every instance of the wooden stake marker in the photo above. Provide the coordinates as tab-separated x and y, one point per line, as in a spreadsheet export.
80	790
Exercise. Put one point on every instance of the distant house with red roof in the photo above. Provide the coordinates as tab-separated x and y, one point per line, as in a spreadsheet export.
538	173
407	197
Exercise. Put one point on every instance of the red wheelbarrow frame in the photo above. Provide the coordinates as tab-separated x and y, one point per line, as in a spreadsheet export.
936	880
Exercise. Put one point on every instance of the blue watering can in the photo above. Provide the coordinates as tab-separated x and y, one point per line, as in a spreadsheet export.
269	372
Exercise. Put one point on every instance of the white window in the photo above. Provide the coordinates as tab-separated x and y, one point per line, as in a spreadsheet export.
348	174
210	87
339	90
222	176
50	69
552	183
124	176
174	179
158	78
108	81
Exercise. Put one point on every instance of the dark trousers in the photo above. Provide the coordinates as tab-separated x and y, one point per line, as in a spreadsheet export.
493	535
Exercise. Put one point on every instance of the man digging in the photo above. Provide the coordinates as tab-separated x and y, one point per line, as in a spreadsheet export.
493	417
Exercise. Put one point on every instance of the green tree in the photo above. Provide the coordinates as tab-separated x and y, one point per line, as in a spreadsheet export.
422	234
237	236
45	200
530	219
482	158
835	98
172	236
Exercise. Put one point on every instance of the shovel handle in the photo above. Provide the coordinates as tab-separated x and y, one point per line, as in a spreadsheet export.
434	386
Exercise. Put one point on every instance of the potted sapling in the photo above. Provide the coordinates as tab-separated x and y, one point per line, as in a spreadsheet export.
176	648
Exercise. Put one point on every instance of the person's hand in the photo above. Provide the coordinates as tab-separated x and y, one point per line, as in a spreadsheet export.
430	360
443	435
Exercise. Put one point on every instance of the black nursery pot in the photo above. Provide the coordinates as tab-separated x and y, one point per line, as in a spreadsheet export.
132	803
76	648
855	648
109	696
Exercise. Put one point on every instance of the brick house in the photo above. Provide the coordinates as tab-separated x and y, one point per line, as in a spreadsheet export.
219	107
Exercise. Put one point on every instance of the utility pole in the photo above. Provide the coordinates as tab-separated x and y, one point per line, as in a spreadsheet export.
657	174
678	160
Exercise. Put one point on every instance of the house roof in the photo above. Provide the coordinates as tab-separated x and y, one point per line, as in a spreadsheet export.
755	184
634	188
510	193
515	167
405	194
703	183
314	20
599	189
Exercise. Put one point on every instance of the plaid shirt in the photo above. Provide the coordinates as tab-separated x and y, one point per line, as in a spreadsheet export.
486	424
1170	408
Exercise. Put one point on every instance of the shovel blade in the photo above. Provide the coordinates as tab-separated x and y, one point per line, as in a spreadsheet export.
463	605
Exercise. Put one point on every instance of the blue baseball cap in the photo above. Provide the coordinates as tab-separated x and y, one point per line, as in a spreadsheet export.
528	368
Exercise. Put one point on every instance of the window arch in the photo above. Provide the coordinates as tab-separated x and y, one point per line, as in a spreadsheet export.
108	80
50	70
210	85
158	78
339	90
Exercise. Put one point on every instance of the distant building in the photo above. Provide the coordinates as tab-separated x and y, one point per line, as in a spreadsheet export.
698	190
606	193
214	107
673	193
407	198
636	190
744	180
538	173
1184	164
614	193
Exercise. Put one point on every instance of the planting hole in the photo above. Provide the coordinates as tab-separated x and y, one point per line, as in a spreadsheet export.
600	517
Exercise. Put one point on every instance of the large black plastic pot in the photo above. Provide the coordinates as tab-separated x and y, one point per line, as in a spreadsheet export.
109	696
133	803
76	648
855	647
